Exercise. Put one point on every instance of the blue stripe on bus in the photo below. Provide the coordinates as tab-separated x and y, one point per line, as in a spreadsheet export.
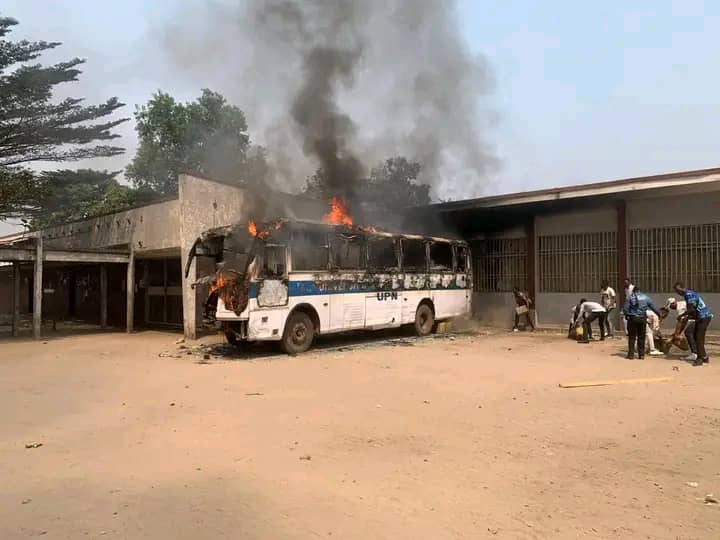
310	288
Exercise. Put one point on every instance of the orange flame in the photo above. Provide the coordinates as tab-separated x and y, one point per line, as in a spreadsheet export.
262	235
252	228
338	214
218	284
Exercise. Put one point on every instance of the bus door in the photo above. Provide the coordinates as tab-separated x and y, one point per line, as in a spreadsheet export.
448	299
463	277
347	300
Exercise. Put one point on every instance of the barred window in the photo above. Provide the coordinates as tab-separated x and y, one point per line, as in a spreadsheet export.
659	257
499	264
577	262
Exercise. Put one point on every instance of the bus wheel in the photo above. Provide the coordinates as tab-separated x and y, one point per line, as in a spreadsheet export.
299	333
232	338
424	320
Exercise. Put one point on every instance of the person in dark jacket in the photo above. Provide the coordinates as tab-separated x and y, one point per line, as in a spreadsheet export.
636	305
698	310
522	309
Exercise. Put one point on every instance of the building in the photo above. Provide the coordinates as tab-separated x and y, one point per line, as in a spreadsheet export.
558	244
85	266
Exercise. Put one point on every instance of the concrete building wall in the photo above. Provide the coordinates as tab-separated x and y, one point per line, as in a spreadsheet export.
147	228
692	209
603	219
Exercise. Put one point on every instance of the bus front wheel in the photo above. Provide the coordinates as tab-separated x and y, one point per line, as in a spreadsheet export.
299	333
424	320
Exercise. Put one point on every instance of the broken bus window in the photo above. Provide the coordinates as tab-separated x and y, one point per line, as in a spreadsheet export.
441	256
461	257
382	254
347	251
309	251
414	255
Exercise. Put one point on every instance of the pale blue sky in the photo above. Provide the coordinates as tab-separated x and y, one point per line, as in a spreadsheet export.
584	92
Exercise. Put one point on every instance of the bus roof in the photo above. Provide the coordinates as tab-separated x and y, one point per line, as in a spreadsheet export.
294	224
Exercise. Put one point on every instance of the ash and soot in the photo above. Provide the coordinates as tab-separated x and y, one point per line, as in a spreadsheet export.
344	84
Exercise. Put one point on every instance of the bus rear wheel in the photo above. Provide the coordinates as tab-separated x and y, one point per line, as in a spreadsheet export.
299	333
424	320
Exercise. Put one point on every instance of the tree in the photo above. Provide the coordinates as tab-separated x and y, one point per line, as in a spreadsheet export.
35	129
208	135
68	195
392	185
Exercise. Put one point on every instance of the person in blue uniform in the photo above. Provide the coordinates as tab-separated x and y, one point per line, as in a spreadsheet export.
636	305
696	309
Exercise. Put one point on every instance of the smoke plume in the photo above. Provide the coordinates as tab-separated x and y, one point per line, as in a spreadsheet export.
344	84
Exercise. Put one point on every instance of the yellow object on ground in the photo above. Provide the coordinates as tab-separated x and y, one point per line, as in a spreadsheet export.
611	382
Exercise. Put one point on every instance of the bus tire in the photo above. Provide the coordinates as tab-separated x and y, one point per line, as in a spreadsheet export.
299	333
232	338
424	320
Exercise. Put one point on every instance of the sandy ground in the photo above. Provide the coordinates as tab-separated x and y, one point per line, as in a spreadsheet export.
468	437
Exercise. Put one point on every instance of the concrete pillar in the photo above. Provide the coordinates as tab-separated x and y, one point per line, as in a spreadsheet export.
130	291
622	249
103	296
16	300
532	280
189	298
38	289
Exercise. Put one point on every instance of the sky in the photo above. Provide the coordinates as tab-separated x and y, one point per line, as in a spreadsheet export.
584	92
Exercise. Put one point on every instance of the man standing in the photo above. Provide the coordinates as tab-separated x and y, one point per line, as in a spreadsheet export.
628	288
522	308
635	310
608	299
590	311
698	310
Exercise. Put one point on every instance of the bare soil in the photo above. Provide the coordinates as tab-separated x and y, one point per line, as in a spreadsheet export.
463	437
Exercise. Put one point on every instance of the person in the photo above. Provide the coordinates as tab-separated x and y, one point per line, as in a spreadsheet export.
652	330
608	299
696	309
522	308
628	287
683	325
635	309
572	334
590	311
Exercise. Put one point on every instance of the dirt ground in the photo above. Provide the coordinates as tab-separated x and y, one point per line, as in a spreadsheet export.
462	437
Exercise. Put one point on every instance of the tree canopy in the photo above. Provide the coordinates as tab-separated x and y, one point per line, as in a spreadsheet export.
207	135
68	195
35	128
392	185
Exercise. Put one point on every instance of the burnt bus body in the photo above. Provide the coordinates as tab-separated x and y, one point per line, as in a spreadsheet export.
291	280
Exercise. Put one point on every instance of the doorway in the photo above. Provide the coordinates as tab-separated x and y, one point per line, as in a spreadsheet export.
163	297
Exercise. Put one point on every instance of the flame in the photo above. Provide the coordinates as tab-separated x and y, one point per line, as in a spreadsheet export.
252	228
263	234
338	214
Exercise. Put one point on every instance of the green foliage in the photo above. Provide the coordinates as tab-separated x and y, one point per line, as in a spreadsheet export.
207	135
392	186
33	128
72	195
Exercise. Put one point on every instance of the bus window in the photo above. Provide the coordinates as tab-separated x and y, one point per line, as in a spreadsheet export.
413	258
441	256
347	251
309	251
274	262
382	254
461	257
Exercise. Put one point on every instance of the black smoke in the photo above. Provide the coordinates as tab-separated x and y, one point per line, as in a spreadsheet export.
344	84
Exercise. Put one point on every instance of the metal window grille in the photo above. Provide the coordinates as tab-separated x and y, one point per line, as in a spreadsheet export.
577	262
659	257
499	264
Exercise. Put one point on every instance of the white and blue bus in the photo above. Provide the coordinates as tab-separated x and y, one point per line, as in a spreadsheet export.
291	280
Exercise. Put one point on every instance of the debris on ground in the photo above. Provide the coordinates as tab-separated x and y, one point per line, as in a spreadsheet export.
254	394
692	484
34	445
26	501
612	382
675	368
711	499
306	458
178	341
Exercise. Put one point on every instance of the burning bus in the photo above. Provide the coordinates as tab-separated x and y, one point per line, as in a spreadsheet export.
291	280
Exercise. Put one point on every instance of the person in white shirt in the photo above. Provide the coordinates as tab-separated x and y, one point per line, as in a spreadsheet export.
608	299
652	330
589	312
628	288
